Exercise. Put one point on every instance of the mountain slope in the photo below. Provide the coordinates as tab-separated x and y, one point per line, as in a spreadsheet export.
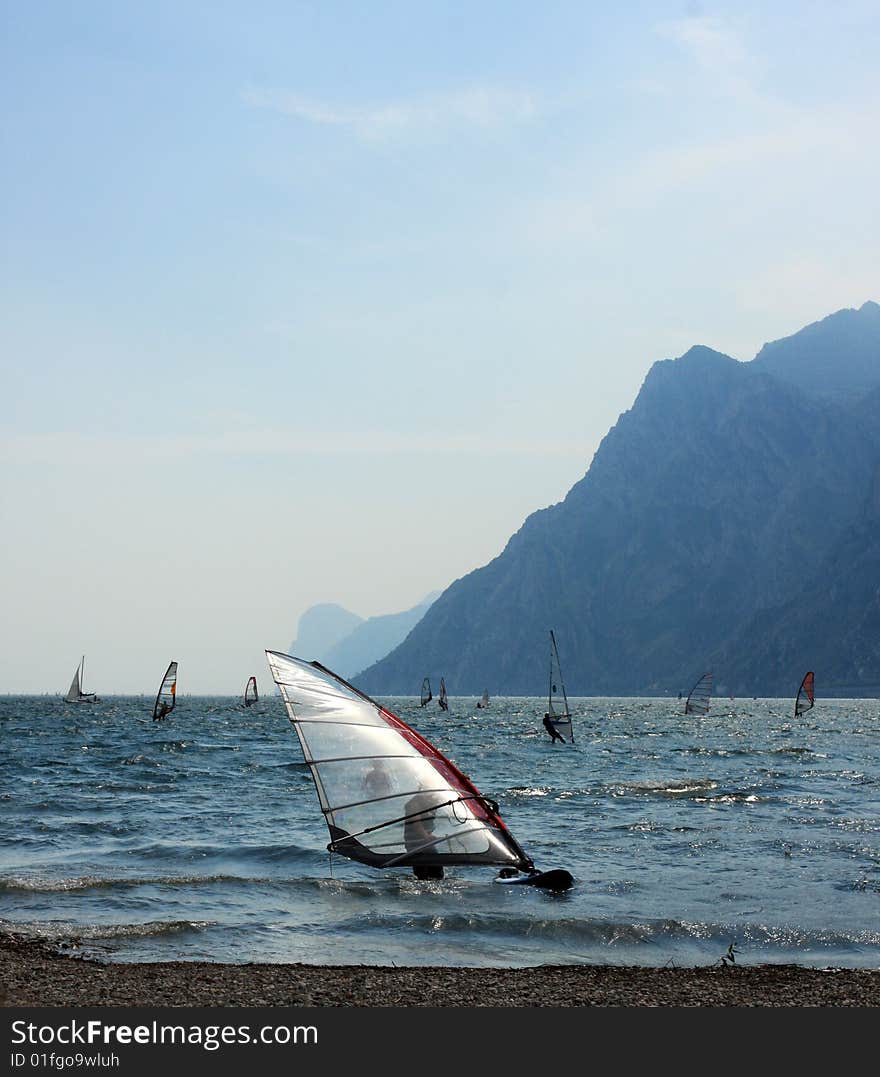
713	499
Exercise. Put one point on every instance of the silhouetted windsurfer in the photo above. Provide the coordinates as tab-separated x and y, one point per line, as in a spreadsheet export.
554	733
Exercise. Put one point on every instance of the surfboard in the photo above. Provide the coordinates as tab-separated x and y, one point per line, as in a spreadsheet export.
554	879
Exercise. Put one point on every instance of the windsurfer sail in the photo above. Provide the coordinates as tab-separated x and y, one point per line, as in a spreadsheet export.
443	701
389	797
250	692
701	693
804	699
75	694
167	694
557	720
483	701
426	693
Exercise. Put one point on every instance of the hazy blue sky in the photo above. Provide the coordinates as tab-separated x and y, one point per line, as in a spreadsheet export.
316	302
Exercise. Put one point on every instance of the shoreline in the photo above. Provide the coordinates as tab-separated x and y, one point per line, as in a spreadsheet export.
34	973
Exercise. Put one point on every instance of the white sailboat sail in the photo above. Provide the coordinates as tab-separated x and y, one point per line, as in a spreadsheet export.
701	693
389	797
75	694
166	697
558	717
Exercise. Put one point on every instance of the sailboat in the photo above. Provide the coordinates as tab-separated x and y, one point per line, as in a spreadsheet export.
804	699
250	692
426	693
700	694
388	796
483	701
443	701
555	720
75	694
167	694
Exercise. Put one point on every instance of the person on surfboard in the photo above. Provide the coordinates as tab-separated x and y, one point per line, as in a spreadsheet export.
555	735
418	829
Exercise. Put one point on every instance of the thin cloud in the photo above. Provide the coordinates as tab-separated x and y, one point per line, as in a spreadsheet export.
48	448
476	106
717	50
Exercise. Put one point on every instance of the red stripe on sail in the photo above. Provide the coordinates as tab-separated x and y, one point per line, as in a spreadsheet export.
446	768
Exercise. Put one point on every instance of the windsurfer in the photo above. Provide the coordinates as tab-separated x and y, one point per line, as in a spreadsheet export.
555	735
376	780
418	830
163	710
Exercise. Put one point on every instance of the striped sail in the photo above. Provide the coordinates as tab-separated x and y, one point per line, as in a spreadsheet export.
426	696
701	693
167	695
389	797
250	692
804	699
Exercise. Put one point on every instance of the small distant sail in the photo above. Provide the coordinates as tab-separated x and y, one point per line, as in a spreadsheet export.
804	699
389	797
558	717
250	692
483	701
75	694
701	693
426	692
444	703
167	695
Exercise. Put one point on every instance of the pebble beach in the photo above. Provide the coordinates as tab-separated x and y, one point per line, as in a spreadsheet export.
33	973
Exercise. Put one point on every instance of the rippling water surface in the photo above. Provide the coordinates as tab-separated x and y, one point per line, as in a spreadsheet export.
200	837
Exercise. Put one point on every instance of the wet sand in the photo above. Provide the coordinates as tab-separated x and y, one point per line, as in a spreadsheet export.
35	974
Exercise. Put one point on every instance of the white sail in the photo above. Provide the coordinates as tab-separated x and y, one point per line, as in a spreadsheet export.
73	691
558	717
389	797
701	693
166	697
75	694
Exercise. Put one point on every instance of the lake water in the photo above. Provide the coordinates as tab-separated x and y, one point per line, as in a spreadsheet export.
201	837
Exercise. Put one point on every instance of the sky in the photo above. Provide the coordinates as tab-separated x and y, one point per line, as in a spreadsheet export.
317	302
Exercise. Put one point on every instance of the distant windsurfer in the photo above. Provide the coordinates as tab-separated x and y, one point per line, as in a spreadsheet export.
418	832
555	735
162	711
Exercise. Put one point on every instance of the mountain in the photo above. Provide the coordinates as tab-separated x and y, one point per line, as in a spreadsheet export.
321	627
837	358
729	500
347	643
373	638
